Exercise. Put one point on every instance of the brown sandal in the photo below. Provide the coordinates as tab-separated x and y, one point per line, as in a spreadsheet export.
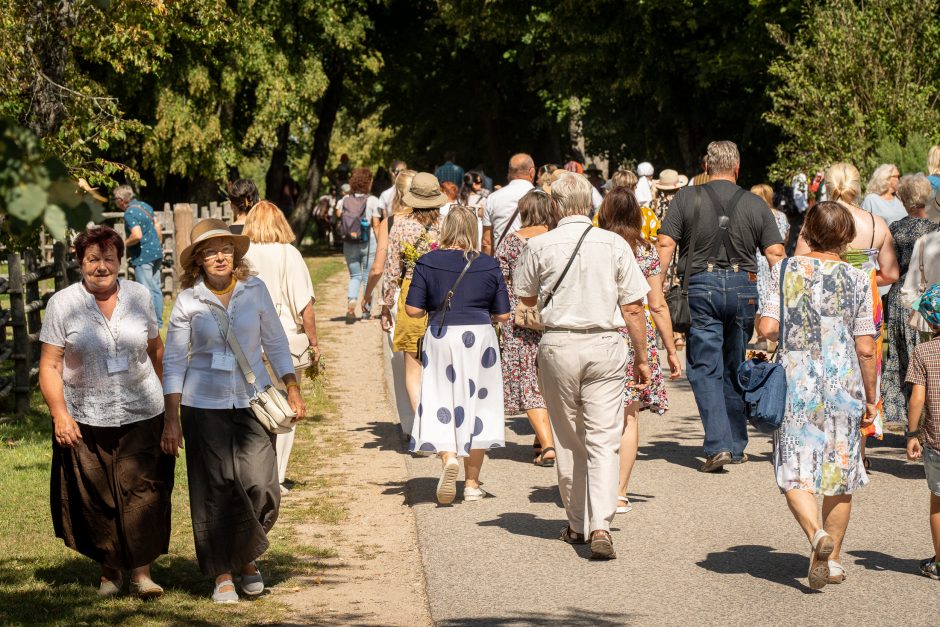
602	546
572	537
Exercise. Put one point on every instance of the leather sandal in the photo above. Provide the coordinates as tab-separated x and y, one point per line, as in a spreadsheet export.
540	458
602	546
572	537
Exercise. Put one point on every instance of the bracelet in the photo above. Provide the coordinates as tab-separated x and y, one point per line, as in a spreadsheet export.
293	384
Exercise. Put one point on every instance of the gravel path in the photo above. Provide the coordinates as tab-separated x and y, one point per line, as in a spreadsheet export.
714	549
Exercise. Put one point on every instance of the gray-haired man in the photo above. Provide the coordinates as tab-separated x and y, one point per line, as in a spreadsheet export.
582	358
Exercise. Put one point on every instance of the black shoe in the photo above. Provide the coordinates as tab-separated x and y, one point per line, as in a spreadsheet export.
715	462
350	317
740	460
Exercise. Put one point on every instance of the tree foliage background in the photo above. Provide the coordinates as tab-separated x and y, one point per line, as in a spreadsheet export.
180	97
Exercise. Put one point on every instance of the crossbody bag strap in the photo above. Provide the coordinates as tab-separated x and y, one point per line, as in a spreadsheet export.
691	252
723	220
509	224
233	343
564	272
781	336
445	304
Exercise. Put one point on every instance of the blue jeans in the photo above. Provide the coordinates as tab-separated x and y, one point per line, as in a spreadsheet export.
722	303
148	275
359	256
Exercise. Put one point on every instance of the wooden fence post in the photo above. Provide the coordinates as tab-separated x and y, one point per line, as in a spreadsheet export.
21	347
182	225
60	262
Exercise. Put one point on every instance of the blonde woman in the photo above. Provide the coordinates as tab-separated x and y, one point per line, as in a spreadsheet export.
460	413
233	489
282	269
881	194
871	250
396	208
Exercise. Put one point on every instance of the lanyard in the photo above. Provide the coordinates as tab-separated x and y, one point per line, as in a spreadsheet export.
228	311
116	316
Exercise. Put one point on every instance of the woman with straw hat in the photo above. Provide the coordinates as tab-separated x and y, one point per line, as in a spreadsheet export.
234	492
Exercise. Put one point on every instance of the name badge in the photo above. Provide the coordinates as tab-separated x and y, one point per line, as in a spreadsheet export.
117	364
223	361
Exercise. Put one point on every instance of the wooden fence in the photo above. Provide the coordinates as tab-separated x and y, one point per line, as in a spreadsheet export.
27	290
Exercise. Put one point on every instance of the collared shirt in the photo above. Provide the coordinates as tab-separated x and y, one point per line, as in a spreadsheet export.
194	337
604	276
501	204
925	370
148	249
95	394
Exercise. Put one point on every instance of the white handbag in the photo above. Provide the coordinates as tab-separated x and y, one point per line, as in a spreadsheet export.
269	405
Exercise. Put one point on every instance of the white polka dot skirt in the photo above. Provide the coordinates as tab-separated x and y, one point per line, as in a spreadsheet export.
461	403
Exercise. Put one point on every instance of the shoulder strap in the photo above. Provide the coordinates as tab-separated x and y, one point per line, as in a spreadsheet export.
506	230
783	274
691	251
872	245
445	304
233	343
564	272
724	219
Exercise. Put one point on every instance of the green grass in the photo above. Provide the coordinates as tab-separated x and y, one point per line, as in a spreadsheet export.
42	582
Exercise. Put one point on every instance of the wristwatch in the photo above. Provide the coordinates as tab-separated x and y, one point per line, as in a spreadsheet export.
912	434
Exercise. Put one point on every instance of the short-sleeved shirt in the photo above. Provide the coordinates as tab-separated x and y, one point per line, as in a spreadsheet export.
284	272
148	250
603	276
93	395
501	204
386	199
752	227
924	369
481	293
889	210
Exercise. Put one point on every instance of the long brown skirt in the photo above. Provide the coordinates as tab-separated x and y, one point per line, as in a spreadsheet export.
234	494
110	495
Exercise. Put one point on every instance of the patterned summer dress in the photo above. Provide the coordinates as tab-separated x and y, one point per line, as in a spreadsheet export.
520	345
826	305
763	268
653	397
901	337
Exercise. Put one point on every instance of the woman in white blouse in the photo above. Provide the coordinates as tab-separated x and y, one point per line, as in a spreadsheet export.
233	488
100	375
284	272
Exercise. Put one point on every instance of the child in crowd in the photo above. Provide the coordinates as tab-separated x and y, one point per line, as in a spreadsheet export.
924	374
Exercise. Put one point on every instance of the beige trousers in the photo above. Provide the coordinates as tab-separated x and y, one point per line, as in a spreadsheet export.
582	378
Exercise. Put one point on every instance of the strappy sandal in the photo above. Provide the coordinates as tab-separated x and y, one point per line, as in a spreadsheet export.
823	546
602	546
572	537
836	572
540	458
626	507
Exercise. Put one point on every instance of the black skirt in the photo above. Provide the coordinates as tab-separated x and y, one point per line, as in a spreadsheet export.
110	495
234	494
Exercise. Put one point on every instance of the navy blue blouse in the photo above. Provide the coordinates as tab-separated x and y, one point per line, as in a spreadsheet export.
481	293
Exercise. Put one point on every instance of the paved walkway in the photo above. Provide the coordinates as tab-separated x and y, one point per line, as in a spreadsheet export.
713	549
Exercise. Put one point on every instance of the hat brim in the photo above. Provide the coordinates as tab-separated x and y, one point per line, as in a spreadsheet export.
241	246
417	202
667	188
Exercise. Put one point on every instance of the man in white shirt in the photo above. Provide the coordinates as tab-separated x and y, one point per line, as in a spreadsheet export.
586	284
501	204
386	197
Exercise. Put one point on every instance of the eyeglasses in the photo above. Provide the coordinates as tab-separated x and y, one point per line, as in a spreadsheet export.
209	253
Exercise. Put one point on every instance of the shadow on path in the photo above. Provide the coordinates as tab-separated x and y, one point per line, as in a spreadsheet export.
572	616
875	560
762	562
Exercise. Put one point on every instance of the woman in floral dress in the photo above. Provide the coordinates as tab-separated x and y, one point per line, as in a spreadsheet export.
621	214
521	345
827	348
411	236
914	192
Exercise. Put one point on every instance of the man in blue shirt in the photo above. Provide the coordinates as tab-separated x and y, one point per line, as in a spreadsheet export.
143	239
449	171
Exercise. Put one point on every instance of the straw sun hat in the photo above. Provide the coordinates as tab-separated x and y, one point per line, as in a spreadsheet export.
670	180
424	193
211	228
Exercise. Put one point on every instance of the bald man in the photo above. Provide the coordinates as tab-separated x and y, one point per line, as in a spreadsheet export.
500	206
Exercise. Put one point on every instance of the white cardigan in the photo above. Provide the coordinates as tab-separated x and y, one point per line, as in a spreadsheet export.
194	336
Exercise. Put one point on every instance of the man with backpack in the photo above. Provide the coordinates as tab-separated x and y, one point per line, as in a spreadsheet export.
143	238
719	227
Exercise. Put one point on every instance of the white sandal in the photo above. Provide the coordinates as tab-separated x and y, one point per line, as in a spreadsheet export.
823	546
626	507
836	572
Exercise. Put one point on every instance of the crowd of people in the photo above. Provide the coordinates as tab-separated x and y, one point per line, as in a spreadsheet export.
546	296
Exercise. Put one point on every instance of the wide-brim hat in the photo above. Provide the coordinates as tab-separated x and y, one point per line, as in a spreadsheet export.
425	192
670	180
210	228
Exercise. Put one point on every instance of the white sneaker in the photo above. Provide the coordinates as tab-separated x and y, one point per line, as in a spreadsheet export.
447	484
473	494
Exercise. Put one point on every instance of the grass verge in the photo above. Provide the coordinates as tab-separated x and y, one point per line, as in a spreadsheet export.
42	582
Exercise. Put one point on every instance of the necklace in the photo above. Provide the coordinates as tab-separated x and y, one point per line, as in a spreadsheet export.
224	290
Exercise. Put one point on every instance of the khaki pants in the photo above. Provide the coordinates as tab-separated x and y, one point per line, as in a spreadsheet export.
582	378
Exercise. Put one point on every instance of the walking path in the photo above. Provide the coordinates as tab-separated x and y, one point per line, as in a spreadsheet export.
715	549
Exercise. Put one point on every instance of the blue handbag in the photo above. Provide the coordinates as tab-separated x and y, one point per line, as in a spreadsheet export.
765	383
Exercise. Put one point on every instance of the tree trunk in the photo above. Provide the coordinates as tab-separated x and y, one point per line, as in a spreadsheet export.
274	179
329	107
49	27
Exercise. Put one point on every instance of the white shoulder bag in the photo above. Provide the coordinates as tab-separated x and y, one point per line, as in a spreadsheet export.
269	405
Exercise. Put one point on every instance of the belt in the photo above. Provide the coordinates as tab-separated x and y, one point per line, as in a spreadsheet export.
580	331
